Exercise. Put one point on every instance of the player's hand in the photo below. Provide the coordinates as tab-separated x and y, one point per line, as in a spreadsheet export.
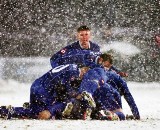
131	117
123	74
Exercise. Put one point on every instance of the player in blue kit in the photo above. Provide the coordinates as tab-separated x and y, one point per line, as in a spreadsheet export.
83	43
109	64
84	58
48	93
104	96
83	52
106	88
120	85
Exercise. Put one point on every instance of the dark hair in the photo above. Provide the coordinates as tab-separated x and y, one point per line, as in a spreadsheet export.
107	57
83	28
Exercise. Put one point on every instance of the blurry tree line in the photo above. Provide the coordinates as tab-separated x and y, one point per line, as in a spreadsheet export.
42	27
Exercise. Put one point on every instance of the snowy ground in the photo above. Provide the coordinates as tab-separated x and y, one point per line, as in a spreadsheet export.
146	96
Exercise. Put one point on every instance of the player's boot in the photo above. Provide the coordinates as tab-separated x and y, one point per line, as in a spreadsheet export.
26	105
67	110
107	115
129	117
88	97
10	112
87	114
6	112
115	117
3	112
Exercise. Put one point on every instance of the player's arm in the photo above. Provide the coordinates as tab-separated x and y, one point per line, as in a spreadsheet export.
56	56
129	98
118	71
60	54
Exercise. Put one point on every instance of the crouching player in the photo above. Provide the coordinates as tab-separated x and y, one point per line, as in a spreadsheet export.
105	97
118	83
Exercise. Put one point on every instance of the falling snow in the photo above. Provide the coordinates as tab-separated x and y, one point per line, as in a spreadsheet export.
40	28
31	31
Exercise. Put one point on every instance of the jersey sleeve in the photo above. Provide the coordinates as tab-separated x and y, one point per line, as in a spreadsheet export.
129	98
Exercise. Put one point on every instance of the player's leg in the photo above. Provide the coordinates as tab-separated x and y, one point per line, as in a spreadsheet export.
106	104
9	112
87	90
52	112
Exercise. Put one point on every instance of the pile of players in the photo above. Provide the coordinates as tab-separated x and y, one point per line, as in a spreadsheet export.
82	84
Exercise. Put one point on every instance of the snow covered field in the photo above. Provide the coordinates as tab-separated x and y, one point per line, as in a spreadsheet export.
146	96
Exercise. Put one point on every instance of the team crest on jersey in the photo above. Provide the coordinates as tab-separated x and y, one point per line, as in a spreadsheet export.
63	51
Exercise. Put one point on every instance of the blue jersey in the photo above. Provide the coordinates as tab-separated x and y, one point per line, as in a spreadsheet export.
105	96
75	56
79	57
101	83
74	46
45	89
93	79
121	86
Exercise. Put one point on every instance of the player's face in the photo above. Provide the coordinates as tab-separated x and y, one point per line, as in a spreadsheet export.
84	37
100	60
107	64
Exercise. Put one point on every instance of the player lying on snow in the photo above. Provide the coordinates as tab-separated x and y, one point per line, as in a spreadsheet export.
59	94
